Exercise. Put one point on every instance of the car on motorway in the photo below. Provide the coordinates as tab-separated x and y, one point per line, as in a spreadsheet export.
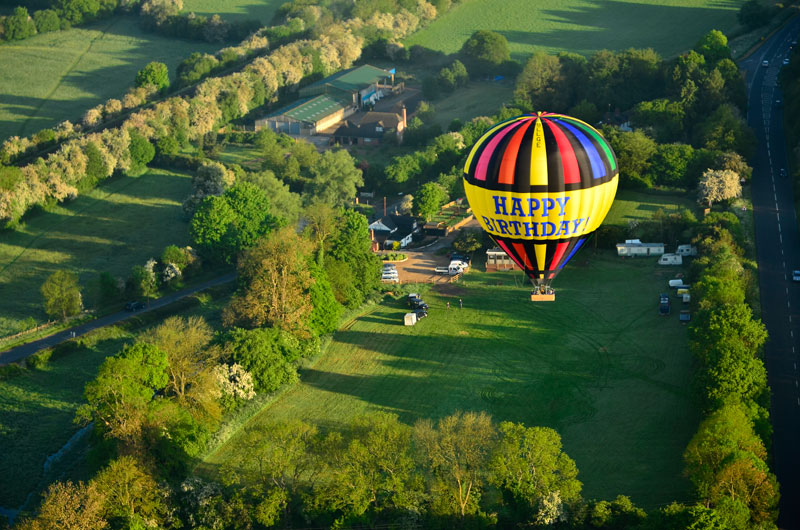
785	61
796	276
783	172
134	306
765	63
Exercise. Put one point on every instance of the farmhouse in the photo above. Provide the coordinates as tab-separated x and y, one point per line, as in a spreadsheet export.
370	127
394	228
327	102
634	247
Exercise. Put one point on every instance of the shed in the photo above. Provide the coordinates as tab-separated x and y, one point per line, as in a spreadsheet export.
634	247
410	319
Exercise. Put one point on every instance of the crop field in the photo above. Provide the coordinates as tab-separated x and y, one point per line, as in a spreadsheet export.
57	76
581	26
638	206
37	408
598	364
262	10
119	224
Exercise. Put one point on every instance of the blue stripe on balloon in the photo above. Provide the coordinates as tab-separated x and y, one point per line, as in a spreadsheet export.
574	250
598	168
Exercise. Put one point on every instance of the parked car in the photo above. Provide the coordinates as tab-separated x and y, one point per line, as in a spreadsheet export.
685	316
390	279
663	304
421	313
419	304
796	276
134	306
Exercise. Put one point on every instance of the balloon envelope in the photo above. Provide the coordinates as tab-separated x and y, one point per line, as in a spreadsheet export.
539	185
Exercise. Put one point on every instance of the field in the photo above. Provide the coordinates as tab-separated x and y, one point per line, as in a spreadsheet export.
599	365
479	98
57	76
119	224
580	26
37	408
262	10
637	206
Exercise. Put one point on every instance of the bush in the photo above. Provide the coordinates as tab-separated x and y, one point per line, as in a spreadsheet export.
394	256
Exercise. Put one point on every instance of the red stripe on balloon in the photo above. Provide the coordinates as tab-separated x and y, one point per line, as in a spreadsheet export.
560	249
520	248
486	154
509	164
572	174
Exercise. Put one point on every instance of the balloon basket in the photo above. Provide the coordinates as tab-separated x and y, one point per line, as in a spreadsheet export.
545	295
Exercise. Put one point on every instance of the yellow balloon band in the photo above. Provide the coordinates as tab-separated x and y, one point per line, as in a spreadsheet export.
541	216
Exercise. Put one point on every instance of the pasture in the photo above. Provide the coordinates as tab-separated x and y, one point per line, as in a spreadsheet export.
631	205
580	26
57	76
598	364
121	223
233	10
37	407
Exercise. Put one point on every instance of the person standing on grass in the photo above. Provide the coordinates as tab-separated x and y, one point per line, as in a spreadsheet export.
460	304
448	304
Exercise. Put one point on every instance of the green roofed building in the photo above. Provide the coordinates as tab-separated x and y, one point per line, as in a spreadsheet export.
331	100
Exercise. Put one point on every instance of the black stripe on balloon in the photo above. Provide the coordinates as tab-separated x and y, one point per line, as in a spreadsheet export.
522	170
555	167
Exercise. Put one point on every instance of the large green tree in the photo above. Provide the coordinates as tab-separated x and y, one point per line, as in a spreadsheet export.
153	74
62	295
334	179
484	51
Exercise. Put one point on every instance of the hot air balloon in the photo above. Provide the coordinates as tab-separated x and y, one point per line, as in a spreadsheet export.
539	185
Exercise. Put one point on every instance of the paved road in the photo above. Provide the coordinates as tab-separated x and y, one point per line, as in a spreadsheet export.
20	352
778	250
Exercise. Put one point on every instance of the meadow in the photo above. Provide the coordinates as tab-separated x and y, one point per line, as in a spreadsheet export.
631	205
262	10
580	26
57	76
599	365
37	408
121	223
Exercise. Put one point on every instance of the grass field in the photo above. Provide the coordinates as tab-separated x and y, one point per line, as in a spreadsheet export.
117	225
262	10
479	98
638	206
581	26
37	408
599	365
247	156
58	76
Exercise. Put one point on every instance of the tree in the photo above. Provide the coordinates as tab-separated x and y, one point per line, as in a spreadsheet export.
46	20
190	360
484	51
719	185
334	179
141	151
18	25
143	281
529	464
69	506
713	46
353	247
468	241
267	353
429	199
324	317
320	226
634	151
374	472
754	14
276	281
154	74
132	496
119	397
62	295
456	453
669	164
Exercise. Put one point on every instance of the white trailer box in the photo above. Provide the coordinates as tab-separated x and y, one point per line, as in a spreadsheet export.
686	250
677	284
670	259
410	319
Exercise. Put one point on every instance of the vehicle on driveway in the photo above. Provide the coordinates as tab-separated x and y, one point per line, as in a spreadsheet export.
663	304
134	305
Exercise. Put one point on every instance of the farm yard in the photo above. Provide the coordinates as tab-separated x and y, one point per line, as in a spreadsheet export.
121	223
599	365
579	26
57	76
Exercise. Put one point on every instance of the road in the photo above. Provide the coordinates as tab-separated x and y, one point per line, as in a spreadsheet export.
20	352
778	253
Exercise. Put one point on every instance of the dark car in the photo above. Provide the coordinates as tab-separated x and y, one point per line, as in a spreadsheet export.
418	304
421	313
134	306
663	304
460	257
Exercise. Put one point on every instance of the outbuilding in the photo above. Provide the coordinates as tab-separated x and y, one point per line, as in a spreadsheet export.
635	248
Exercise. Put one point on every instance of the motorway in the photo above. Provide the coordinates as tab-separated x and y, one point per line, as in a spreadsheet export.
778	253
